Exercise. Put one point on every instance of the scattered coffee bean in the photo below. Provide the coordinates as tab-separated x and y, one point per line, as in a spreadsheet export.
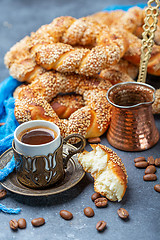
101	202
157	188
139	159
95	196
123	213
150	160
157	162
22	223
100	226
88	211
3	193
94	140
141	164
37	222
150	169
13	224
150	177
66	214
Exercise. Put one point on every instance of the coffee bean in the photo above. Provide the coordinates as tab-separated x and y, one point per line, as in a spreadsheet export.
150	169
95	196
94	140
22	223
157	188
37	222
139	159
3	193
2	123
141	164
66	214
150	177
101	202
123	213
13	224
157	162
100	226
88	211
150	160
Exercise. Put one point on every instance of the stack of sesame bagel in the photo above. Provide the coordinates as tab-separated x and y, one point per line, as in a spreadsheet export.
66	57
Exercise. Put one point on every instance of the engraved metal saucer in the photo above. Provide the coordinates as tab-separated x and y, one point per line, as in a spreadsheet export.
73	174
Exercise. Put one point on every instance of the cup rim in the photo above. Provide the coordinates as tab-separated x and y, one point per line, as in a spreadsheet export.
43	155
130	83
40	145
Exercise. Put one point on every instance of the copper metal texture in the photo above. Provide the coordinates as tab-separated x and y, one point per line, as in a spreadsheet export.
150	26
43	171
73	174
132	125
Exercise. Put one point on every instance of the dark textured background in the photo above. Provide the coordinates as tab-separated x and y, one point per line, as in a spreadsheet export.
18	18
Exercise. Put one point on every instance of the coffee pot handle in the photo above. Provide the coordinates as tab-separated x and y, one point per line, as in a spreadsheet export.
74	151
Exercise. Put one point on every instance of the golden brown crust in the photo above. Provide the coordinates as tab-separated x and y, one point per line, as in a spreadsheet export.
133	55
139	30
91	31
51	54
91	120
120	72
132	21
113	163
107	18
65	105
117	165
129	20
156	104
64	58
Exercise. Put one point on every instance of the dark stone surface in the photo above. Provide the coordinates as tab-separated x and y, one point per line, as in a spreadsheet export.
18	18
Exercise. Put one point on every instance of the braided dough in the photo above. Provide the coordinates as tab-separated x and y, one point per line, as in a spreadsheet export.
132	22
105	35
134	52
49	47
92	120
121	72
129	20
108	171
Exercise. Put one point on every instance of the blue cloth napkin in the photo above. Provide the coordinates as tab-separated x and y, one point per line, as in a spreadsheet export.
7	116
6	131
7	88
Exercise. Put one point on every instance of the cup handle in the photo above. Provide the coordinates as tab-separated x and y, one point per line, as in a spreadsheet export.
72	152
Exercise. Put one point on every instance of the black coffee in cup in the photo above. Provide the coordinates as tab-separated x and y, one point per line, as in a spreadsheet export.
37	135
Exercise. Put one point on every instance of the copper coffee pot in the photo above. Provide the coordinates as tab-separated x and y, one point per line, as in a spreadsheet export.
132	125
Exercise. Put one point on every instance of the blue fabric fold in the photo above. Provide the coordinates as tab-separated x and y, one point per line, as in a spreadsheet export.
123	7
7	169
4	209
7	102
7	88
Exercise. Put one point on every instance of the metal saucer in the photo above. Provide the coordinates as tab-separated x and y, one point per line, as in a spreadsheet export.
73	174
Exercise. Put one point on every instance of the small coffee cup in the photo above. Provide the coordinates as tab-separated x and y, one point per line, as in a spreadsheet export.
40	166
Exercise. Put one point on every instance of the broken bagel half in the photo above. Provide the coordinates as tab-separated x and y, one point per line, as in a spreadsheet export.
107	169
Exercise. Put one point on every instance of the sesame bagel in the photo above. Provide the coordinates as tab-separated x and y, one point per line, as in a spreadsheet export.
108	171
91	120
54	46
